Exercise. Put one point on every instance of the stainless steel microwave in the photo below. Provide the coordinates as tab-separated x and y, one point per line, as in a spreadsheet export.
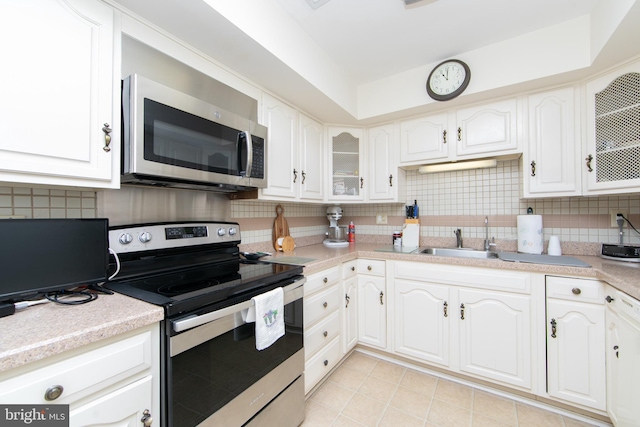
171	139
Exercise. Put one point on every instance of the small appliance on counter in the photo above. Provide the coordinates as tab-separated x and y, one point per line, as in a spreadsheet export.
620	251
337	234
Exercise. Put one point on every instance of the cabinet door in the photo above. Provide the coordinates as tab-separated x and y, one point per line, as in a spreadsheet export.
575	360
495	336
487	129
346	164
372	311
121	408
551	159
612	152
61	89
421	313
350	314
282	170
425	138
382	176
311	159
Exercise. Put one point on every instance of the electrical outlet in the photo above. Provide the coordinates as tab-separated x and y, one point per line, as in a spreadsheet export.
381	218
614	213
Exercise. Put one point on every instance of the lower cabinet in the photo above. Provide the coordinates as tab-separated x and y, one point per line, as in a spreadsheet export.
473	321
372	306
106	383
576	370
349	306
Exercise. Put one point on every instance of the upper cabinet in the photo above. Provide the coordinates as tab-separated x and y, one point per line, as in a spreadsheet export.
295	153
386	180
612	151
346	164
468	133
60	105
550	159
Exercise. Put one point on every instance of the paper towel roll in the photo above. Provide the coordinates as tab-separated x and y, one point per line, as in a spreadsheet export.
530	239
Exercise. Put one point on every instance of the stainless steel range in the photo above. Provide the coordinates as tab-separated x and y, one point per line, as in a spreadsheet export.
212	373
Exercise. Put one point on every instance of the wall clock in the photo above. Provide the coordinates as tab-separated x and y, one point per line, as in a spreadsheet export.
448	80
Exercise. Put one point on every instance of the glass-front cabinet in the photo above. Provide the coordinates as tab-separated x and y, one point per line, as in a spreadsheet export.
346	164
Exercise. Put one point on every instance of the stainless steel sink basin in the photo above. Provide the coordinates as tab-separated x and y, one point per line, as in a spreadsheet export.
459	253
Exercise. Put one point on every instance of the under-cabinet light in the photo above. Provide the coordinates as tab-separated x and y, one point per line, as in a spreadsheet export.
458	166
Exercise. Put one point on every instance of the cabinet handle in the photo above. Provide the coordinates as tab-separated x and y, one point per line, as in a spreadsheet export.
609	299
353	268
462	311
325	279
326	362
369	268
304	176
445	307
390	180
589	159
347	299
324	304
361	182
444	136
381	295
325	333
553	328
615	347
295	175
146	419
460	134
107	137
53	392
533	168
576	291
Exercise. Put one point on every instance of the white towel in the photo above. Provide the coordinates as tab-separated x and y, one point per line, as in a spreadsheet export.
269	317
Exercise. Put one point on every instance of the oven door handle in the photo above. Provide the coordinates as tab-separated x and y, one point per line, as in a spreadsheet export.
292	292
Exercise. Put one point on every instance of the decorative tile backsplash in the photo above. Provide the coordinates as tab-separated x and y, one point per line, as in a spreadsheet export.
24	202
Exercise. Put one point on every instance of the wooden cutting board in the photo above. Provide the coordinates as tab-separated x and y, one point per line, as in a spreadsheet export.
280	227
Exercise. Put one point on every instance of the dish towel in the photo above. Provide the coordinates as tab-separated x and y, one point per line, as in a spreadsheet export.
269	317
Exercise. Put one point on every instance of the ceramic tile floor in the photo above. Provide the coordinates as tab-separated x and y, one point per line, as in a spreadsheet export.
367	391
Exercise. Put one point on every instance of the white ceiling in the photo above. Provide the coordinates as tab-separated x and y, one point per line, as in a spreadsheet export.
371	39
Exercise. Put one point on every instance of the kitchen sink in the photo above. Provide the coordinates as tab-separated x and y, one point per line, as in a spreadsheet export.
459	253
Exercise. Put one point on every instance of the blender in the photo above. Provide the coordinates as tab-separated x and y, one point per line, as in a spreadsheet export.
337	234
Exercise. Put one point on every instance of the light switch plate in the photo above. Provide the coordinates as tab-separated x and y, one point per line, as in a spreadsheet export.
381	218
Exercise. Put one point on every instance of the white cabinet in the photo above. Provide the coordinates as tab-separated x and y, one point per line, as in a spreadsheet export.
622	355
295	153
322	343
385	180
108	383
349	306
551	166
372	305
612	151
576	341
473	321
60	104
474	132
346	164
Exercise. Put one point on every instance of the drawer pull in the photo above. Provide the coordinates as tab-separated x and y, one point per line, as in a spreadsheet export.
326	362
369	268
353	268
576	291
609	299
146	419
325	280
53	392
553	328
445	307
325	333
324	304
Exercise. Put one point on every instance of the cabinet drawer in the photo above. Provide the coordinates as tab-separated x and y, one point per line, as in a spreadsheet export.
349	269
584	290
371	267
323	279
321	304
81	375
321	364
321	334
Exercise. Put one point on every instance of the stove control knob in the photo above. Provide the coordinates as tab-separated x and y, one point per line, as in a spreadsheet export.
125	239
221	232
144	237
233	231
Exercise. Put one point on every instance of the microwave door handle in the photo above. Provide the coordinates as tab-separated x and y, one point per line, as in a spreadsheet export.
249	153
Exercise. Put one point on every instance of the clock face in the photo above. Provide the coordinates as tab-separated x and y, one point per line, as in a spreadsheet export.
448	80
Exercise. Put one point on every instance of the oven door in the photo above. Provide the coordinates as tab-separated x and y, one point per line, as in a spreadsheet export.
215	375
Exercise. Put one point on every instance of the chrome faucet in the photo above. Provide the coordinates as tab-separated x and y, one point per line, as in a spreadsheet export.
458	234
487	244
